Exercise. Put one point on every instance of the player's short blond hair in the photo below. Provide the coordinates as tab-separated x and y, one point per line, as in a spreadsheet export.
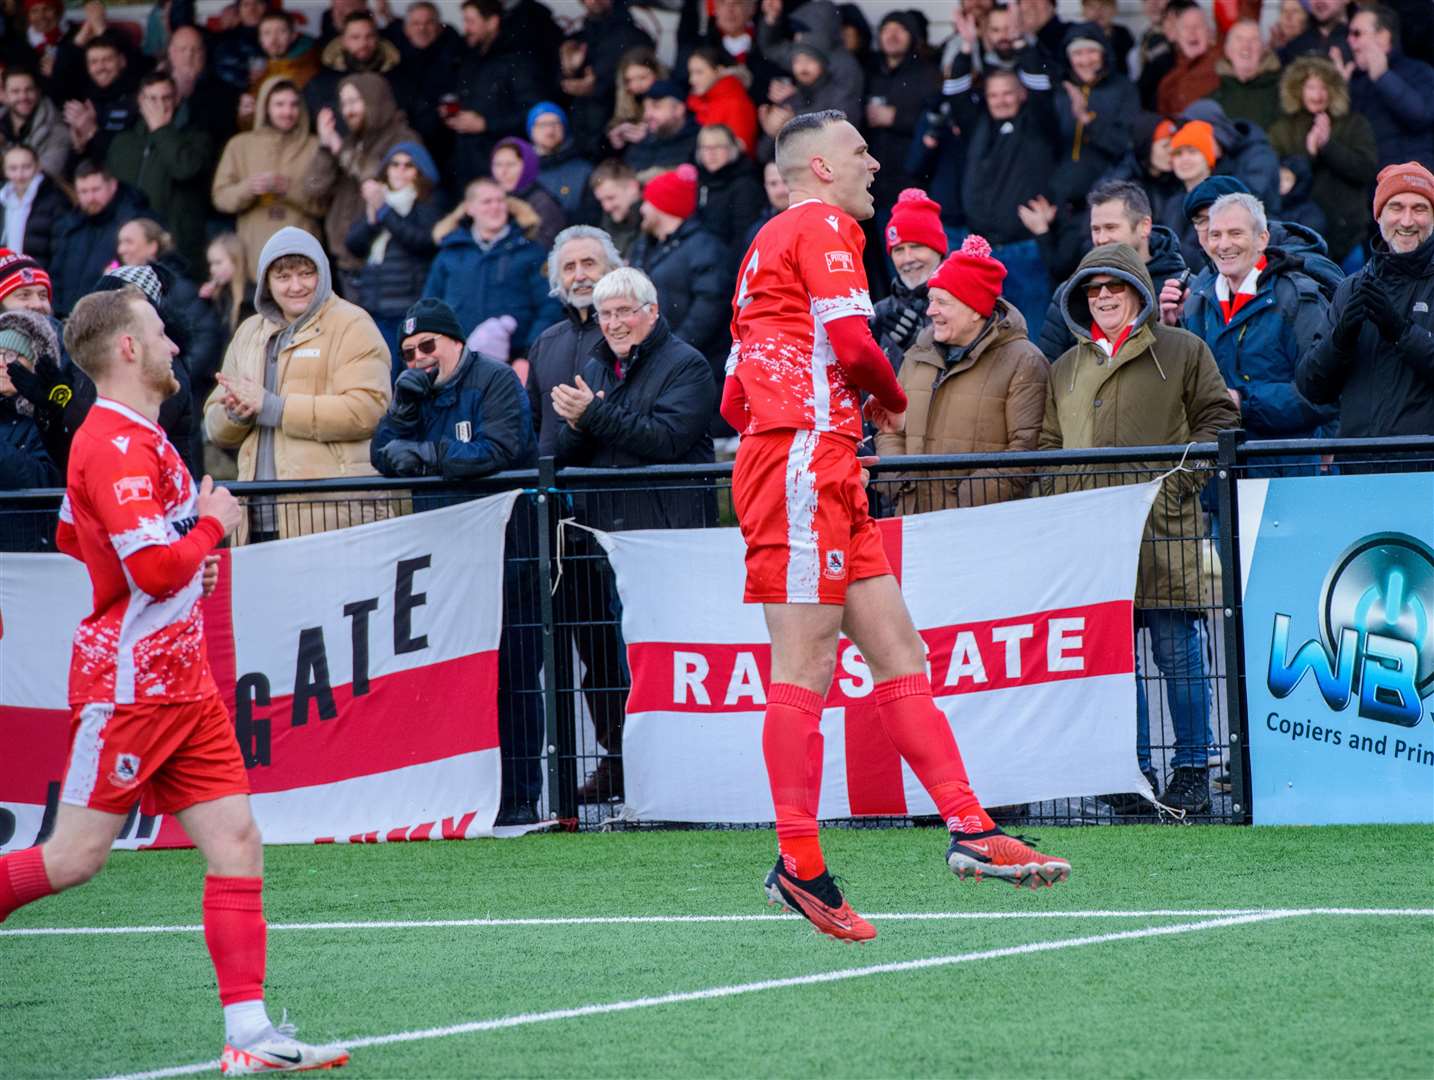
98	319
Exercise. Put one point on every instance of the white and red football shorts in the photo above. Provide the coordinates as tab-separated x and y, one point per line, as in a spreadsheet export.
170	755
803	512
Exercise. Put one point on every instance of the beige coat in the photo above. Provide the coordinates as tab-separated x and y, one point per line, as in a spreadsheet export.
266	149
335	181
990	401
334	379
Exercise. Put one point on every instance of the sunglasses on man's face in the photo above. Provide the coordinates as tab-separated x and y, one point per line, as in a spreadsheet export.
426	347
1115	288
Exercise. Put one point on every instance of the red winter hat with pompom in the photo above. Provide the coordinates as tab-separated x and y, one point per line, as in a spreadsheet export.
972	276
916	219
674	192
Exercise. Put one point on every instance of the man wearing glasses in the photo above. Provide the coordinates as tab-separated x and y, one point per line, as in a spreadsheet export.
644	397
1131	381
460	414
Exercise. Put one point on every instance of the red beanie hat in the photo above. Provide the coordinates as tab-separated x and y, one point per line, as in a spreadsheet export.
916	219
18	271
1411	178
674	192
972	276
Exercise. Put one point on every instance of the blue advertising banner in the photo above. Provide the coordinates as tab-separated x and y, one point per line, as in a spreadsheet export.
1338	574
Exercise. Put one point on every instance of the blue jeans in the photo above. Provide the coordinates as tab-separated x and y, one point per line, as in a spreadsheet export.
1177	640
1027	287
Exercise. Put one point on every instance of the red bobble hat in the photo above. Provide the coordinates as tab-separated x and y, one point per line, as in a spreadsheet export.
972	276
916	219
674	192
17	271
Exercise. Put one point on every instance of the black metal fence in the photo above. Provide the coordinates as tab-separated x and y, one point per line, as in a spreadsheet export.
563	675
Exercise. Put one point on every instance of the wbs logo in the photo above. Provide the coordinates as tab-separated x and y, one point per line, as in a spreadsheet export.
1375	611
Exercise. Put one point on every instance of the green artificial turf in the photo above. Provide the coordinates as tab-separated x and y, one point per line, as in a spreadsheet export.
1307	996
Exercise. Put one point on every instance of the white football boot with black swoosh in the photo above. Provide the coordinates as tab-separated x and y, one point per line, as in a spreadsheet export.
278	1051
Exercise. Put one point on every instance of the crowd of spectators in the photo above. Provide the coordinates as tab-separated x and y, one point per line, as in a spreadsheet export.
390	245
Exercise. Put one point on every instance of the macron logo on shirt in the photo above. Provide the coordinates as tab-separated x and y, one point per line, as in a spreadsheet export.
122	442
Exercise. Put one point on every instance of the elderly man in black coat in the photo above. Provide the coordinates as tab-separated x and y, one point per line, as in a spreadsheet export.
645	397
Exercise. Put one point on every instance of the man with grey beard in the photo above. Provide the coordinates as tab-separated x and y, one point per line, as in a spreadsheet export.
581	255
1377	356
916	243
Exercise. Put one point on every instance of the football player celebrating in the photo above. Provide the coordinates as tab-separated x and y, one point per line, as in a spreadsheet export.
148	721
802	352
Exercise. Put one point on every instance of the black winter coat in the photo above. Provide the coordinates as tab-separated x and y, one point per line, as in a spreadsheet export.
889	308
1007	162
656	414
1400	108
693	275
24	462
730	199
663	152
554	358
387	289
910	86
501	86
193	324
478	422
50	205
85	245
1382	389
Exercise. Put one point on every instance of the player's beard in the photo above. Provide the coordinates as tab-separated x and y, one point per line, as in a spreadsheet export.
158	371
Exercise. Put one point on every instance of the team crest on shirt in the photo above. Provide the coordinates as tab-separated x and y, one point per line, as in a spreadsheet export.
834	222
126	770
132	489
839	262
463	431
835	565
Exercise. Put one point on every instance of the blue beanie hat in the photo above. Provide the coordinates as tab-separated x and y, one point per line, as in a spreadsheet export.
1208	190
421	157
543	108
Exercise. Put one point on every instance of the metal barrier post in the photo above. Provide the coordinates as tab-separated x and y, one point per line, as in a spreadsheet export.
562	778
1230	462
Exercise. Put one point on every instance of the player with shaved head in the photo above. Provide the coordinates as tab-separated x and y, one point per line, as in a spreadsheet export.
802	355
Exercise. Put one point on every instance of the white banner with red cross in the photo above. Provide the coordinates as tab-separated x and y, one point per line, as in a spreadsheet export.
1026	609
360	666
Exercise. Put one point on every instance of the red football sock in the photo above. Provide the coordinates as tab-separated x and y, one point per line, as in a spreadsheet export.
792	746
22	880
235	931
922	735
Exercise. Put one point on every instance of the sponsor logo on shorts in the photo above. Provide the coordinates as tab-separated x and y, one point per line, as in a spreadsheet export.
132	489
839	262
835	565
126	770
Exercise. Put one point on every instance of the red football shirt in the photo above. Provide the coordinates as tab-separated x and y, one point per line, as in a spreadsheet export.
127	489
803	270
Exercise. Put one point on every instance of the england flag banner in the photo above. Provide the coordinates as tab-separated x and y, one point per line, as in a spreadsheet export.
1026	610
360	667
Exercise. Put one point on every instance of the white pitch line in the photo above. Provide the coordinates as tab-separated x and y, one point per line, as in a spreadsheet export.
638	920
734	990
